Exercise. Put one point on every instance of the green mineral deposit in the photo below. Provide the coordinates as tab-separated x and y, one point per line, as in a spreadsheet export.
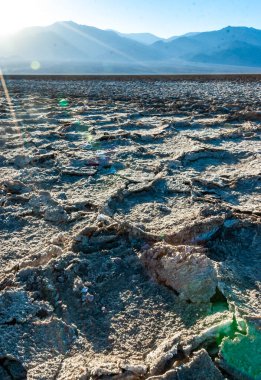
243	352
63	103
227	331
219	303
219	307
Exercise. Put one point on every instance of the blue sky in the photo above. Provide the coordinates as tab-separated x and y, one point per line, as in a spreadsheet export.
162	17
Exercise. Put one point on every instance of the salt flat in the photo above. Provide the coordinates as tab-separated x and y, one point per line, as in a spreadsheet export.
130	228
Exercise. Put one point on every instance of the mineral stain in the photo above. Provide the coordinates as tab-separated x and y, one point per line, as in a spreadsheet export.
243	352
63	103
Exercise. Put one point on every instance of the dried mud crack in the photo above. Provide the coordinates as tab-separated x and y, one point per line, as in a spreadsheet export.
130	230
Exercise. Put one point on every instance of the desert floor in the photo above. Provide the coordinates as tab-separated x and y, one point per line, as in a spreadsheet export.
130	229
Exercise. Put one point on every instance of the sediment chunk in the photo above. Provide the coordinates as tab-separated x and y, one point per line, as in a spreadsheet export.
164	354
186	269
56	214
52	211
199	368
15	187
22	161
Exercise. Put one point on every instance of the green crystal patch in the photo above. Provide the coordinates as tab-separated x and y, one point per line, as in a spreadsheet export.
63	103
243	352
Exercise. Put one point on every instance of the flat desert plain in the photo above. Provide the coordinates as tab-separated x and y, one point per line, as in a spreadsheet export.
130	228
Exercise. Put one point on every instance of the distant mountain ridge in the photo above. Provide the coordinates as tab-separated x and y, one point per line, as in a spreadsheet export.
67	47
144	38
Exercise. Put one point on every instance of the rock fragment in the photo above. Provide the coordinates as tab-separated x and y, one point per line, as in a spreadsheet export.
73	368
199	368
105	369
186	269
22	161
15	187
164	355
138	369
52	211
73	171
56	214
42	258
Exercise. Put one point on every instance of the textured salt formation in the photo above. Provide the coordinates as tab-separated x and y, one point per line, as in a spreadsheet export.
119	205
185	269
199	367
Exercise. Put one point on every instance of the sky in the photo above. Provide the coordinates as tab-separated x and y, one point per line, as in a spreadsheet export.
164	18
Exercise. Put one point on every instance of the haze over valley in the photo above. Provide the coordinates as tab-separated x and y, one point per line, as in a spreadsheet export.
70	48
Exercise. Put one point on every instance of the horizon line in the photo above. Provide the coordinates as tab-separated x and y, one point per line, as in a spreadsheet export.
120	32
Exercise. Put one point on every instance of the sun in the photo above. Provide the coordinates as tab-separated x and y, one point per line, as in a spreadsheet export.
18	14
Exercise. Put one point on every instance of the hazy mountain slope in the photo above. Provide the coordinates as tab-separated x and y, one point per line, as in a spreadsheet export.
217	39
183	35
149	38
181	47
228	46
144	38
238	53
66	47
38	44
70	41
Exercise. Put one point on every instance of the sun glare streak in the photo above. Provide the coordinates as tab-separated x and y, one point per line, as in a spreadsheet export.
10	104
85	35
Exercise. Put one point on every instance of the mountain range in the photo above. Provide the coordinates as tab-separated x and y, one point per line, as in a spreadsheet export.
67	47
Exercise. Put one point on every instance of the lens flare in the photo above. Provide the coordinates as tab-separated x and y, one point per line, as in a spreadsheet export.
10	104
35	65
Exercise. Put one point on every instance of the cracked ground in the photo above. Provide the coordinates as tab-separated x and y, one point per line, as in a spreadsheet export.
130	228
